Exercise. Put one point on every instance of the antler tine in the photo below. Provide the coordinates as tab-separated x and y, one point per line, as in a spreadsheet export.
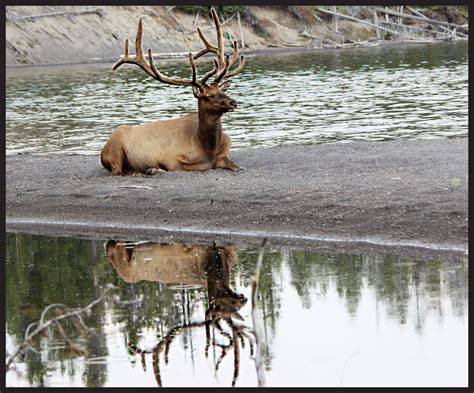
194	71
208	47
238	69
235	45
138	59
223	71
234	59
219	51
171	81
210	73
236	357
220	38
149	67
125	54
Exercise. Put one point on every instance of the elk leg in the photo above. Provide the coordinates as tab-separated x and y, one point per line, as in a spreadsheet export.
222	157
225	163
153	171
198	166
113	158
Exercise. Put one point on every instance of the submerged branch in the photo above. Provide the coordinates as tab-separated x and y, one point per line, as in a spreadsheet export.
259	341
44	326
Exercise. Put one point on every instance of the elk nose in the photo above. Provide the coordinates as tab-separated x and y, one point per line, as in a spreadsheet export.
233	103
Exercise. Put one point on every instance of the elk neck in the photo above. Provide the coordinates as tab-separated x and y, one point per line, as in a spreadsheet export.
210	129
217	274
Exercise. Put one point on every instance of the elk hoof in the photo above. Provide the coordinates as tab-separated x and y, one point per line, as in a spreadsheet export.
241	168
153	171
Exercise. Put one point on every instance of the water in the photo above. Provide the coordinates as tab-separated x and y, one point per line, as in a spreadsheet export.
327	319
372	94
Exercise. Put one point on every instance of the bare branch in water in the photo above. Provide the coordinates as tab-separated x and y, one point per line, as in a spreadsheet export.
257	327
43	327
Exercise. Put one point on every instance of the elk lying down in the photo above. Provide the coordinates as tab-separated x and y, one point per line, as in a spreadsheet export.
193	142
205	266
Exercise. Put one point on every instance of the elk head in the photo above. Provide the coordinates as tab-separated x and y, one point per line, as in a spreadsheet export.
224	302
211	96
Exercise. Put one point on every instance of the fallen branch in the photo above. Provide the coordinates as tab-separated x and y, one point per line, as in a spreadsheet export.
324	23
446	29
212	28
98	11
429	21
335	19
362	21
242	44
196	20
432	32
335	45
178	23
296	44
257	327
44	326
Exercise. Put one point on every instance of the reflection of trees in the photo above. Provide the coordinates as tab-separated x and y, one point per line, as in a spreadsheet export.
398	283
314	270
42	271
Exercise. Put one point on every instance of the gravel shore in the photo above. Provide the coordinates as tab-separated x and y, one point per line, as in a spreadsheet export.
396	195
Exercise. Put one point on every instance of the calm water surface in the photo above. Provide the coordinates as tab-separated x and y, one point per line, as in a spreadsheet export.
371	94
328	319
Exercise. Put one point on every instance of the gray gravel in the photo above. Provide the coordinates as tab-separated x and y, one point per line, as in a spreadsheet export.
344	196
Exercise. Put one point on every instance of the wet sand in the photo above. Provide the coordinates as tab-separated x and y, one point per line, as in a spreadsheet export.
406	196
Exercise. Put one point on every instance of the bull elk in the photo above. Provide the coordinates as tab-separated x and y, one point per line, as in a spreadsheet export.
206	266
193	142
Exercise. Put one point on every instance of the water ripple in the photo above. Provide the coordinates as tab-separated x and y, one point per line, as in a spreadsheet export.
360	94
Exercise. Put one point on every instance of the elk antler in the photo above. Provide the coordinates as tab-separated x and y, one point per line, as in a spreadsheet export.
220	71
223	66
239	334
150	68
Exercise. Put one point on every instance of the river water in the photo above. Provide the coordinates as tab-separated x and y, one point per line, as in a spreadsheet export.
375	94
327	319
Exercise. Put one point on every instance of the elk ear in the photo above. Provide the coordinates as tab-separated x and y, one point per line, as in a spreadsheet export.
236	315
224	86
196	91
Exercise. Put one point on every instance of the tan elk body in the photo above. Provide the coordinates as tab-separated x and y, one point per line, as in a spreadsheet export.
193	142
167	263
200	265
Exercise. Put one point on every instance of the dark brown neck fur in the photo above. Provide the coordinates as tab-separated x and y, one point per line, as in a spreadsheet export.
210	130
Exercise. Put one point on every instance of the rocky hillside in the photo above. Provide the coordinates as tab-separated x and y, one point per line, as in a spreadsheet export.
76	34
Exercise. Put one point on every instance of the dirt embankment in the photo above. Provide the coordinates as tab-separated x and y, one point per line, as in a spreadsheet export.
77	34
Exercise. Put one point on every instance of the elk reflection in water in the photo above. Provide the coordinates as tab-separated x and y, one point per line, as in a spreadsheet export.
204	266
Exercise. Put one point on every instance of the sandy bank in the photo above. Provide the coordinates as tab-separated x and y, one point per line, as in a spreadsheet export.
407	194
40	35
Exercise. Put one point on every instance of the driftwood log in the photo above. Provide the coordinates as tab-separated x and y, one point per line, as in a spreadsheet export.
362	21
15	18
419	18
